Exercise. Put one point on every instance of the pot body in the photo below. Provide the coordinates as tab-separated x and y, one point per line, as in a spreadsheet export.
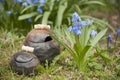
45	48
24	63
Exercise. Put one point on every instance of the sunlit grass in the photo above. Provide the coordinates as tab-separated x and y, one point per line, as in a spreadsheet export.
62	68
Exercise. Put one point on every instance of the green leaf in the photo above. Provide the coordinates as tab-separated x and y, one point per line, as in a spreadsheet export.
40	68
37	17
85	36
60	41
45	17
83	57
77	8
105	57
69	36
103	53
47	13
25	16
60	13
98	37
78	48
95	65
93	2
57	69
117	59
1	7
28	7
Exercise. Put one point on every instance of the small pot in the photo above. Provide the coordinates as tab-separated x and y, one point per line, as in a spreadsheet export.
24	63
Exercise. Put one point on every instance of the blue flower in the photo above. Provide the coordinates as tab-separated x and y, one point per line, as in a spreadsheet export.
8	12
42	1
83	23
25	4
74	29
29	2
75	18
35	1
19	1
109	38
93	33
89	21
40	5
78	24
70	29
39	10
118	31
77	32
2	1
29	19
86	23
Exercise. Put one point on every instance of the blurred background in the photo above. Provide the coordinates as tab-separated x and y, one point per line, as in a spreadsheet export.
19	16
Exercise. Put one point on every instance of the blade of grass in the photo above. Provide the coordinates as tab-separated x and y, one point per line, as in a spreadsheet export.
25	16
47	13
60	13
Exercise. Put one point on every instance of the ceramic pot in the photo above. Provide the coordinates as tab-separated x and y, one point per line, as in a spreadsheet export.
24	63
45	48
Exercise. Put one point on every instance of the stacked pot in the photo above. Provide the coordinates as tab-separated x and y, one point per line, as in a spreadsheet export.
37	48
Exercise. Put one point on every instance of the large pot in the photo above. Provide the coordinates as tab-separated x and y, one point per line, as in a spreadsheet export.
45	48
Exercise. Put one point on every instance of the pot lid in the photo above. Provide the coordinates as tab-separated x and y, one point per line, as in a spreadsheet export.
23	58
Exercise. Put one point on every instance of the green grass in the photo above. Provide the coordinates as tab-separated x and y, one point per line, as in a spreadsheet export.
62	68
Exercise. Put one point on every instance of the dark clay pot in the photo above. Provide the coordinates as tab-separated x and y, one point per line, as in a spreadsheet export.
45	48
24	63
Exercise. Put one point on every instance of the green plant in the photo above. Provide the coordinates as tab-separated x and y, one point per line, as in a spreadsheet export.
56	13
81	42
9	12
50	68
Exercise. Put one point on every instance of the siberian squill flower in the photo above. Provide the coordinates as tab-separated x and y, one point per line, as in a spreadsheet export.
89	21
109	38
35	1
29	2
42	1
82	24
2	1
19	1
41	4
75	18
8	12
29	19
78	24
25	4
76	27
93	33
118	31
39	10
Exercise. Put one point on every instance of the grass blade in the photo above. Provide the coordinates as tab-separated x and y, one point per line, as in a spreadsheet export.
25	16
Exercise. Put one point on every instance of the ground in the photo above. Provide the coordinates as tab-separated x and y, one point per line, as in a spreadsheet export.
62	68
